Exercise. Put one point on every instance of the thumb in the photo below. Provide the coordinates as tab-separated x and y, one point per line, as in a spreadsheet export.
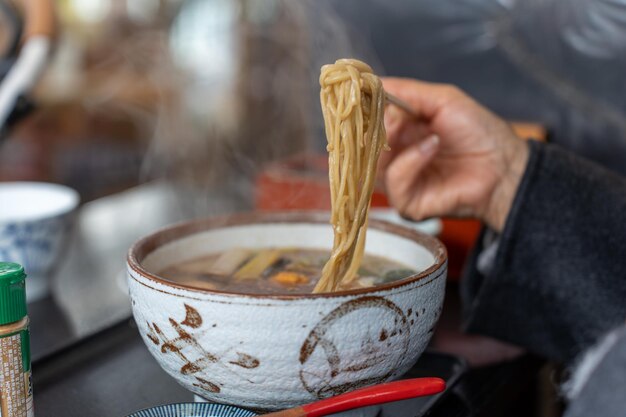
402	176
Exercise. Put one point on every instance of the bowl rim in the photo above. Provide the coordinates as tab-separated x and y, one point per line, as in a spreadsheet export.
146	245
72	197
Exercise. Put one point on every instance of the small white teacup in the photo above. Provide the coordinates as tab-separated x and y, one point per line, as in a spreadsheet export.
35	219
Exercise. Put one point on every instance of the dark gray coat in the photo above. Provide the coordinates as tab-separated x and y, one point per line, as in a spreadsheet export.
557	282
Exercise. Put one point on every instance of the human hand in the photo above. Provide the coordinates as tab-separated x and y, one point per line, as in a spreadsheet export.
457	159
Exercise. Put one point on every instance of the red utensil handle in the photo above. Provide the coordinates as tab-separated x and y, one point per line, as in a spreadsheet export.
391	391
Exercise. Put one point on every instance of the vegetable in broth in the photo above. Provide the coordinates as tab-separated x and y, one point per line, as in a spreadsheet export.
276	270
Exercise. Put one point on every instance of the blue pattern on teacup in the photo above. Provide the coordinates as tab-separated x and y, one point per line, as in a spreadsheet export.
34	244
194	410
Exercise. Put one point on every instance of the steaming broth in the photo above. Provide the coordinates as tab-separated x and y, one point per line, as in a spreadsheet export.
271	271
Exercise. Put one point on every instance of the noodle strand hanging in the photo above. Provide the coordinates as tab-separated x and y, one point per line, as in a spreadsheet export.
352	99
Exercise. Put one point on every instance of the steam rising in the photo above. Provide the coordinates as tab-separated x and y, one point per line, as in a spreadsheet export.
240	91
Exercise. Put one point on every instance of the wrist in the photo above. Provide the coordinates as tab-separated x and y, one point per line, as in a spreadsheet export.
514	162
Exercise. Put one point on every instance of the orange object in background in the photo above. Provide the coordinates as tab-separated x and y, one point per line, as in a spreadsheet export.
459	236
301	183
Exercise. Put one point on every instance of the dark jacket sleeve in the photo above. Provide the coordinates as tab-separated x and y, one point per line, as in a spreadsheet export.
558	281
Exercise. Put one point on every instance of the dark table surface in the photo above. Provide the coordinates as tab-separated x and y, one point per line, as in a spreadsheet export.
108	374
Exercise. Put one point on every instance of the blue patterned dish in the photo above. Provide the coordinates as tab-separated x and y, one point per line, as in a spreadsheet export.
194	410
35	219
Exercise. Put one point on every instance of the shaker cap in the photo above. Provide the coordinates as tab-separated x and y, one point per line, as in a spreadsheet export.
12	292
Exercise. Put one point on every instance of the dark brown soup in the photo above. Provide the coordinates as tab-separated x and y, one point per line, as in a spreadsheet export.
275	270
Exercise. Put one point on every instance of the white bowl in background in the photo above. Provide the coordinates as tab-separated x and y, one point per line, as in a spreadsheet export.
276	351
35	219
429	226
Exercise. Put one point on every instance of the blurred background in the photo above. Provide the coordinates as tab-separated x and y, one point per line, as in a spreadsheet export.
206	92
157	111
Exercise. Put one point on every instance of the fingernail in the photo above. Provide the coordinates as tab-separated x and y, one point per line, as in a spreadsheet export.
429	145
392	118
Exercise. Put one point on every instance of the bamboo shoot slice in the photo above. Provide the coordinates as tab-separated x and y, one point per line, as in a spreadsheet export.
229	261
260	262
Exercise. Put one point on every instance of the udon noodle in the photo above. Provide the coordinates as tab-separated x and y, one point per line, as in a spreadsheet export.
352	99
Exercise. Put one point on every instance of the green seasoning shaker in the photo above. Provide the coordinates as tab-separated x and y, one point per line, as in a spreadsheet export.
16	391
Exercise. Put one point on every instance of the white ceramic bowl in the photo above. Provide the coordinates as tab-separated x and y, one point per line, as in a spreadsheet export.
35	218
431	227
270	352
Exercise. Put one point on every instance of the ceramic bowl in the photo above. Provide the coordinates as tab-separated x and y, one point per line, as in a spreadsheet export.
269	352
193	410
35	219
